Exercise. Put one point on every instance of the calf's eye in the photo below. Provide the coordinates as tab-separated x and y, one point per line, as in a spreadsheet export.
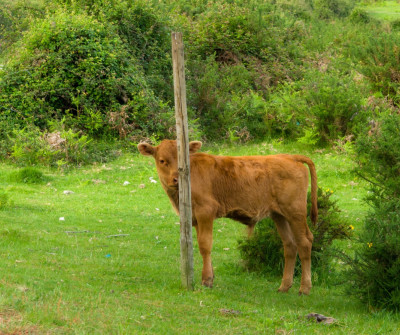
162	161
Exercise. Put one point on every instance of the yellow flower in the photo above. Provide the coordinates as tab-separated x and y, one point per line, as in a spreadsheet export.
351	227
369	245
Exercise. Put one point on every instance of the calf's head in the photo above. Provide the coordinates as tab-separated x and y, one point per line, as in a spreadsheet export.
166	157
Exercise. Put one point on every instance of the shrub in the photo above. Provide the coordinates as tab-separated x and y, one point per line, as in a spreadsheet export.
15	18
360	15
377	264
328	9
73	66
330	103
224	101
378	58
144	32
264	251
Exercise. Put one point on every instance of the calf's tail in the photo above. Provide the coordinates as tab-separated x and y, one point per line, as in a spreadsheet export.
314	187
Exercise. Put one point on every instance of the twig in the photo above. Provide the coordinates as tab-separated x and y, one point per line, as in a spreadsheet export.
82	232
118	235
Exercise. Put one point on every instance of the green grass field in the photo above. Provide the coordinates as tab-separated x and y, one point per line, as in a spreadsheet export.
105	259
386	10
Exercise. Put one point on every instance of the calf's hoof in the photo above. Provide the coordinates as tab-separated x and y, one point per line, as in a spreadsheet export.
284	288
304	290
207	282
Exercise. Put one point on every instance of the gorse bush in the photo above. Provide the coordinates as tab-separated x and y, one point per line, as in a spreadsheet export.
377	264
263	252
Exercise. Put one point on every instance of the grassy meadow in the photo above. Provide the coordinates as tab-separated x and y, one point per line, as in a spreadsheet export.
384	10
103	258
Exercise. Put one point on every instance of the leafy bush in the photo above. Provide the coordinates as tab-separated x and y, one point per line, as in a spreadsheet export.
224	101
377	262
75	67
328	9
144	32
360	15
15	18
378	58
263	252
329	103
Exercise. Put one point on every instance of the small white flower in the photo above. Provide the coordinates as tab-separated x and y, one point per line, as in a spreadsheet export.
61	219
68	192
126	183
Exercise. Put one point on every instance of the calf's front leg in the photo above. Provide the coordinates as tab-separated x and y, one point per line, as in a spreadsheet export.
204	231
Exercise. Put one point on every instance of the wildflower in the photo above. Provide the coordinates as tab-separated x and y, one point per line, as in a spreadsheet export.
351	227
369	245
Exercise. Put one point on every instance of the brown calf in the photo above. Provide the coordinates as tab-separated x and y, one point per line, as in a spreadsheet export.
246	189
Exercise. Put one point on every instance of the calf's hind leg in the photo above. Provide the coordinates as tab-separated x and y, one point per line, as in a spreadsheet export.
304	239
289	249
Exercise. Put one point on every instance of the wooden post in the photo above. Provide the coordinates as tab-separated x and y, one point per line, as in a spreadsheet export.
185	201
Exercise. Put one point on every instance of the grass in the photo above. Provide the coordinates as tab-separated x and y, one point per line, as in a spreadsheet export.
386	10
111	265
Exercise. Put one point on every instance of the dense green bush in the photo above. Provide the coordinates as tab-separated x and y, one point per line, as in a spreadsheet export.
328	9
377	262
236	55
224	102
378	59
75	67
360	15
15	18
329	105
263	252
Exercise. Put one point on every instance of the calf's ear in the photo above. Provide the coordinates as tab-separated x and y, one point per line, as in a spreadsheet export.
146	149
194	146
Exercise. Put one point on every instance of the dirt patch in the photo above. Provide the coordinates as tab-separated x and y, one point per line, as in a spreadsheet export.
11	324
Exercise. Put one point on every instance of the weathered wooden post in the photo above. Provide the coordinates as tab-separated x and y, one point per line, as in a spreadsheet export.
185	200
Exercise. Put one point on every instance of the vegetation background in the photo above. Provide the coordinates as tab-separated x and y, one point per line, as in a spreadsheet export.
82	81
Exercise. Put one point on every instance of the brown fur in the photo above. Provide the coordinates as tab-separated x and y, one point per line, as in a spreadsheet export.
246	189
